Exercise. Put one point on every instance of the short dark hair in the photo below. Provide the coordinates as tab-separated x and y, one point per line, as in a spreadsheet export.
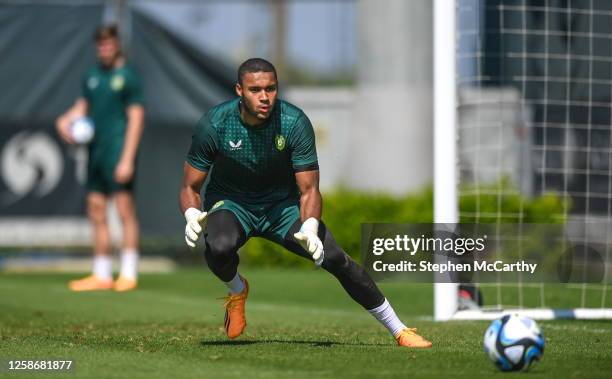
255	65
106	31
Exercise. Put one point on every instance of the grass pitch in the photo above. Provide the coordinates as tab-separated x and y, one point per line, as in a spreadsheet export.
301	324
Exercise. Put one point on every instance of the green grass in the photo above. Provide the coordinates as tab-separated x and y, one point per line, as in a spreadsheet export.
301	325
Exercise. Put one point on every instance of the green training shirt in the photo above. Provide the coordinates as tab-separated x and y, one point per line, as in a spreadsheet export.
253	164
108	92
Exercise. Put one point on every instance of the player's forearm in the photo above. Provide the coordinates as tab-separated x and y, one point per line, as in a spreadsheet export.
189	198
133	134
78	109
191	185
64	119
311	204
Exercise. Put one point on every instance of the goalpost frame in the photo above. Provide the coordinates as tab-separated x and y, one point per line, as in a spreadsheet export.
445	140
446	208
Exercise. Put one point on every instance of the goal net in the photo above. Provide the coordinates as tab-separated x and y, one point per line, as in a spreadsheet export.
523	135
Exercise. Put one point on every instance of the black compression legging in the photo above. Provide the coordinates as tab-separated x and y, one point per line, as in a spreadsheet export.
225	235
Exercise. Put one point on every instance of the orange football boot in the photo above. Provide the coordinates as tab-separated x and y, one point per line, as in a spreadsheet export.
90	283
409	338
235	319
123	284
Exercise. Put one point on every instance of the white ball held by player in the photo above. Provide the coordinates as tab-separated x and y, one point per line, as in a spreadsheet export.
82	130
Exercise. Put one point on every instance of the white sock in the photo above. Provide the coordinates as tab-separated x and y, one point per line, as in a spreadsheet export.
385	314
235	285
129	264
103	266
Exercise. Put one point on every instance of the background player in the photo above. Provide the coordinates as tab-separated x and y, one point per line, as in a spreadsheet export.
112	98
265	182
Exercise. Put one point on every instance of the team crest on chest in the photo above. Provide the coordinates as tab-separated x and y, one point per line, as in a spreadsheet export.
280	142
117	82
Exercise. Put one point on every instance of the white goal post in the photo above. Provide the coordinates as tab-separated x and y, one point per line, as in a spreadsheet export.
445	135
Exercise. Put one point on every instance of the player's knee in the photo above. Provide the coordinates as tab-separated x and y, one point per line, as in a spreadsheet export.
335	259
221	245
127	217
125	206
96	212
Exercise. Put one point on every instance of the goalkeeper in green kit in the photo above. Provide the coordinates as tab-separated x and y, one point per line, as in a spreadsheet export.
260	154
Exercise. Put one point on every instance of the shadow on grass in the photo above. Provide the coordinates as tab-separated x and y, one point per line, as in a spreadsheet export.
288	342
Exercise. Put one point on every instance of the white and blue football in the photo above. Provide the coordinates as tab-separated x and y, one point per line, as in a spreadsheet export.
513	343
82	130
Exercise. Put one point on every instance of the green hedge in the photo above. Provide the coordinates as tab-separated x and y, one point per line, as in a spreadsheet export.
344	211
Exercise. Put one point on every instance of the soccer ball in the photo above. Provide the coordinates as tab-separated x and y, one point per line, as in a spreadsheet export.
513	343
82	130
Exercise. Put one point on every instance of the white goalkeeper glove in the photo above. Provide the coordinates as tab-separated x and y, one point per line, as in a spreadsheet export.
196	223
308	238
